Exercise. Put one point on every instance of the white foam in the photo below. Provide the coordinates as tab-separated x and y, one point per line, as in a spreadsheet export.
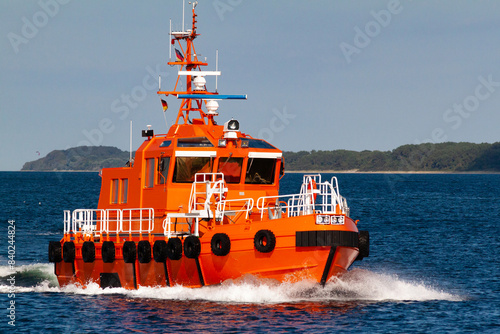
45	269
356	285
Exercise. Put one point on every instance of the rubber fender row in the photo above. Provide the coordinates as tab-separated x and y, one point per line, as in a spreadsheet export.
142	251
264	242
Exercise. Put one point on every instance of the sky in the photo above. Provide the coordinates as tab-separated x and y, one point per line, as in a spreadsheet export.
319	75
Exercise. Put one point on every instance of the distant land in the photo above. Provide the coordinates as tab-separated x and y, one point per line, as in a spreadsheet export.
442	157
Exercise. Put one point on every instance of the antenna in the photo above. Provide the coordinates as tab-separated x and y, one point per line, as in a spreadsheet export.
216	67
183	15
159	83
130	159
170	43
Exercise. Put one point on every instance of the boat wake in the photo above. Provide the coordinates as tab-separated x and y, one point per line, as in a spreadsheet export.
356	285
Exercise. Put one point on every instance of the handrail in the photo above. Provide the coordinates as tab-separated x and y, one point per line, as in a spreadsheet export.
96	222
189	220
315	197
246	207
131	219
212	185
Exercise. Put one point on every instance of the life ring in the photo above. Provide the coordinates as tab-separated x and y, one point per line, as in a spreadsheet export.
144	251
69	251
174	249
160	251
55	251
88	252
129	252
220	244
108	252
311	187
363	245
192	247
264	241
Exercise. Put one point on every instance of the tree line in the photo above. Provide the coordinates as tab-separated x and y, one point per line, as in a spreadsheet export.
444	157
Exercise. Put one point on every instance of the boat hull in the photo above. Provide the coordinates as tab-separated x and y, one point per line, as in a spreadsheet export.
309	251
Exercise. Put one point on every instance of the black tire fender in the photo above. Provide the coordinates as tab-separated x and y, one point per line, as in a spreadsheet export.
69	251
160	251
129	252
363	245
192	247
55	251
144	251
220	244
264	241
88	252
108	252
174	249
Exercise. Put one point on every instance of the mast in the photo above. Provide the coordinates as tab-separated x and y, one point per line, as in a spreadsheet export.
191	67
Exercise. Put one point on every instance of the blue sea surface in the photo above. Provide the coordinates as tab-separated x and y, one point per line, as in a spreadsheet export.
433	266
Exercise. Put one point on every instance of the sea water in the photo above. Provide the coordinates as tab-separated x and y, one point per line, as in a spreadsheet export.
433	266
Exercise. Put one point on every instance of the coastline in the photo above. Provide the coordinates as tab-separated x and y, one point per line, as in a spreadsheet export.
355	171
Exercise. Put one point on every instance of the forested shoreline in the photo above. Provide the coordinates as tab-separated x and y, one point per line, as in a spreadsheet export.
442	157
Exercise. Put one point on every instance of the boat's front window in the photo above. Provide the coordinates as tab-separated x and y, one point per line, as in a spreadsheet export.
194	142
187	167
256	143
231	167
260	171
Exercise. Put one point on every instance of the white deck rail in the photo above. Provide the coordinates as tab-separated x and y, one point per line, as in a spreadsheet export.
315	197
95	222
206	201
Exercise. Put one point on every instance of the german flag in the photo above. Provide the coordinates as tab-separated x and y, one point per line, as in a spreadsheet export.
164	105
179	55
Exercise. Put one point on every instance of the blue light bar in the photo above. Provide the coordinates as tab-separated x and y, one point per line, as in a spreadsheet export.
211	97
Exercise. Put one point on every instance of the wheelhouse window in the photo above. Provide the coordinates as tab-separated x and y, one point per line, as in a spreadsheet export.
163	164
166	143
124	193
231	167
260	171
114	191
194	142
150	172
256	143
187	167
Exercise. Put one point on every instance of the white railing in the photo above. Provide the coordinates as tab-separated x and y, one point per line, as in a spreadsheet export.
205	187
182	224
133	219
234	207
315	197
84	221
95	222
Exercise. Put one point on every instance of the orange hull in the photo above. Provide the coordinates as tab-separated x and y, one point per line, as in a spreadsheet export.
284	263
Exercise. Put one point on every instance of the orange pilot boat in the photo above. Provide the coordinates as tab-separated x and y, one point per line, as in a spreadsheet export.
201	205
